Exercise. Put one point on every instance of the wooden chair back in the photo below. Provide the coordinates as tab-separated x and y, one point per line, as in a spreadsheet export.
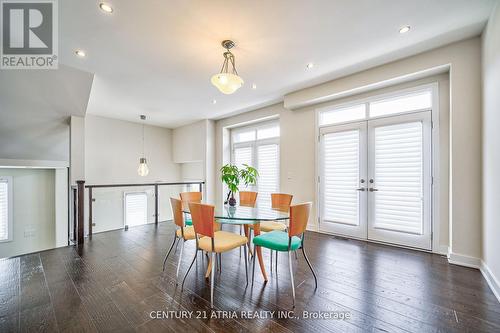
299	215
281	201
191	196
177	212
203	218
248	198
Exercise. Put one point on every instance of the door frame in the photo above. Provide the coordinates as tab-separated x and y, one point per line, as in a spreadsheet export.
435	153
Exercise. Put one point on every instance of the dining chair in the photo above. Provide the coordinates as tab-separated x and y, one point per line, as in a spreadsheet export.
282	202
289	241
212	241
247	199
188	197
183	233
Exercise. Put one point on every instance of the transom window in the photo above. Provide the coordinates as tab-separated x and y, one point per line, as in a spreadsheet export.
258	146
409	101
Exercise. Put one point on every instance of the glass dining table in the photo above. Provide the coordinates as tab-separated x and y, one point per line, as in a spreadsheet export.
245	216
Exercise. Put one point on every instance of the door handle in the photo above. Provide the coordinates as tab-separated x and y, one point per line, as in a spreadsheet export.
371	189
362	189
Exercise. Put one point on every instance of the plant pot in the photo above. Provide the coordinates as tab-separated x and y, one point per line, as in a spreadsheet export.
232	202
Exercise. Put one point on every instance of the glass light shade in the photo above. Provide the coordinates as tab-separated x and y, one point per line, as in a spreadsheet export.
143	169
227	83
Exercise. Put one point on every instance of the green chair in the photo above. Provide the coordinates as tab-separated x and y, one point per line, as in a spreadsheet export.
290	241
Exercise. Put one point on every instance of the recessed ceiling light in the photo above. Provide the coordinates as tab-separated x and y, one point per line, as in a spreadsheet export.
310	65
80	53
404	29
254	86
105	7
214	101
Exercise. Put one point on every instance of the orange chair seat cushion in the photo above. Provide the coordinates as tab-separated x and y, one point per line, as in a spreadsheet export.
267	226
188	233
223	241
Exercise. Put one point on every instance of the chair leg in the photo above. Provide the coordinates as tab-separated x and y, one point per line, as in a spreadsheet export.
169	250
246	265
249	244
176	245
187	272
179	262
241	227
291	276
212	283
271	260
310	266
296	256
276	263
253	265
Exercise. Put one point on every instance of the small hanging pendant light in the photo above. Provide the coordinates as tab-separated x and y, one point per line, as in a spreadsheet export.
143	169
227	81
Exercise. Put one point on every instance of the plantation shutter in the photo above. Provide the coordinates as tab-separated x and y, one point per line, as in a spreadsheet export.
340	176
268	167
136	208
4	210
399	177
243	155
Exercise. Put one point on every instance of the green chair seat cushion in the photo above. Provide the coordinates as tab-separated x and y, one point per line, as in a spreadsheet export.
188	222
277	240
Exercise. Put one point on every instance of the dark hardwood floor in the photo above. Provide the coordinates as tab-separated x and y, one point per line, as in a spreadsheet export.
116	281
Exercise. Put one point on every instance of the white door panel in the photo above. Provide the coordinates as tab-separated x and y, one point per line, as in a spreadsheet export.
399	176
343	180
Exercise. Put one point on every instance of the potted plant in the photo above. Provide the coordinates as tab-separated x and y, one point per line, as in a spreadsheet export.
233	177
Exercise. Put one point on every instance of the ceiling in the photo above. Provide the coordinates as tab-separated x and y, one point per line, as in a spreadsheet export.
156	57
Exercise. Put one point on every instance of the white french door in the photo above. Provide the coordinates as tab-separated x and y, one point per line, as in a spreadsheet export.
375	179
343	174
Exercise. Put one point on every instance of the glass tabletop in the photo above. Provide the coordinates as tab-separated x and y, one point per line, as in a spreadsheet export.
246	215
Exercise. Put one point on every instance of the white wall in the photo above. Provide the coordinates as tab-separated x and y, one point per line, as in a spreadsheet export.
194	147
189	142
463	61
112	151
491	149
35	107
34	211
77	149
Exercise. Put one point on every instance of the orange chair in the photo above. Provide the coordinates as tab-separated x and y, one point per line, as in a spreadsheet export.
188	197
214	242
183	233
248	198
282	202
288	241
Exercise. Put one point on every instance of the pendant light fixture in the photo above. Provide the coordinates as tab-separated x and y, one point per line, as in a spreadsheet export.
143	169
227	81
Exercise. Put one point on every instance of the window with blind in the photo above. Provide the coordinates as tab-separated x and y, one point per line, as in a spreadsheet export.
5	209
258	146
136	208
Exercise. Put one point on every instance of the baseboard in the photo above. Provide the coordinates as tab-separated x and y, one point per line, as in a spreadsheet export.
463	260
443	250
312	227
491	279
